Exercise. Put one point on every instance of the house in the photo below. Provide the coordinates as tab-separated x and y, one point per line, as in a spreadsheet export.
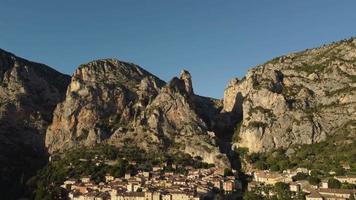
166	196
228	186
346	167
324	184
202	190
82	189
146	174
133	187
216	183
294	187
168	174
157	168
127	176
341	193
303	170
132	196
152	195
347	179
271	178
182	196
85	179
109	178
314	196
68	183
179	181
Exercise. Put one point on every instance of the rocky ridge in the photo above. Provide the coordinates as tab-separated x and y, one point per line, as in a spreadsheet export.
121	104
300	98
29	93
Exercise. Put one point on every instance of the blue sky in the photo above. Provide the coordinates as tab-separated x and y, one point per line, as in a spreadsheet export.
214	40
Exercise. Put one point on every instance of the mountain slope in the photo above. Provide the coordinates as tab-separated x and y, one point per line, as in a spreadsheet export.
109	101
301	98
29	93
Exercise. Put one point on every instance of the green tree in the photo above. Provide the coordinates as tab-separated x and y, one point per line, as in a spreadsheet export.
300	196
275	167
340	171
120	168
261	165
334	184
352	197
282	191
228	172
300	176
348	186
313	180
252	196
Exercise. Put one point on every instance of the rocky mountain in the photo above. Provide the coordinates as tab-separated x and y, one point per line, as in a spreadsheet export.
300	98
109	101
29	92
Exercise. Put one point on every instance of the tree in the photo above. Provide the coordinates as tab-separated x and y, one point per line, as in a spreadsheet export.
252	196
300	176
275	167
348	186
340	171
352	197
284	164
228	172
282	191
313	180
261	165
120	168
334	184
300	196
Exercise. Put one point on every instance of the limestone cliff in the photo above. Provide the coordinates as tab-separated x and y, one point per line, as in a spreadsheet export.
300	98
29	93
120	103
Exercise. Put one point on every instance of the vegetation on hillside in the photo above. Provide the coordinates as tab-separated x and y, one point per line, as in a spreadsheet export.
280	191
331	155
99	161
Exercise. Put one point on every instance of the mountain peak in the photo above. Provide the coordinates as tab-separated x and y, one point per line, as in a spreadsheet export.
187	78
113	71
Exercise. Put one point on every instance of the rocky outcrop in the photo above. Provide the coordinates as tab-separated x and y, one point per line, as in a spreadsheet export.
109	101
187	78
300	98
29	93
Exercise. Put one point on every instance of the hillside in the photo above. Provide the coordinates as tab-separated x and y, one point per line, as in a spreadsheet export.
29	93
300	98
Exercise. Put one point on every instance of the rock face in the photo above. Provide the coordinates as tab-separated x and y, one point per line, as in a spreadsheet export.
300	98
121	104
29	93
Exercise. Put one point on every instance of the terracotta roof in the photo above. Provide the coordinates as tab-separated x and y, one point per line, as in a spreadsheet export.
338	191
135	194
314	194
347	176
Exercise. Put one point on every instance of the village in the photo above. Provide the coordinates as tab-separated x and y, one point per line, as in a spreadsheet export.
154	185
199	183
321	191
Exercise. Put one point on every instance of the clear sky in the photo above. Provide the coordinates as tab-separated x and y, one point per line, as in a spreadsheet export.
214	40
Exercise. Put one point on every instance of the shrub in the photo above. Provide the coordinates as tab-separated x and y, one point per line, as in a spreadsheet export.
334	184
314	180
300	176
